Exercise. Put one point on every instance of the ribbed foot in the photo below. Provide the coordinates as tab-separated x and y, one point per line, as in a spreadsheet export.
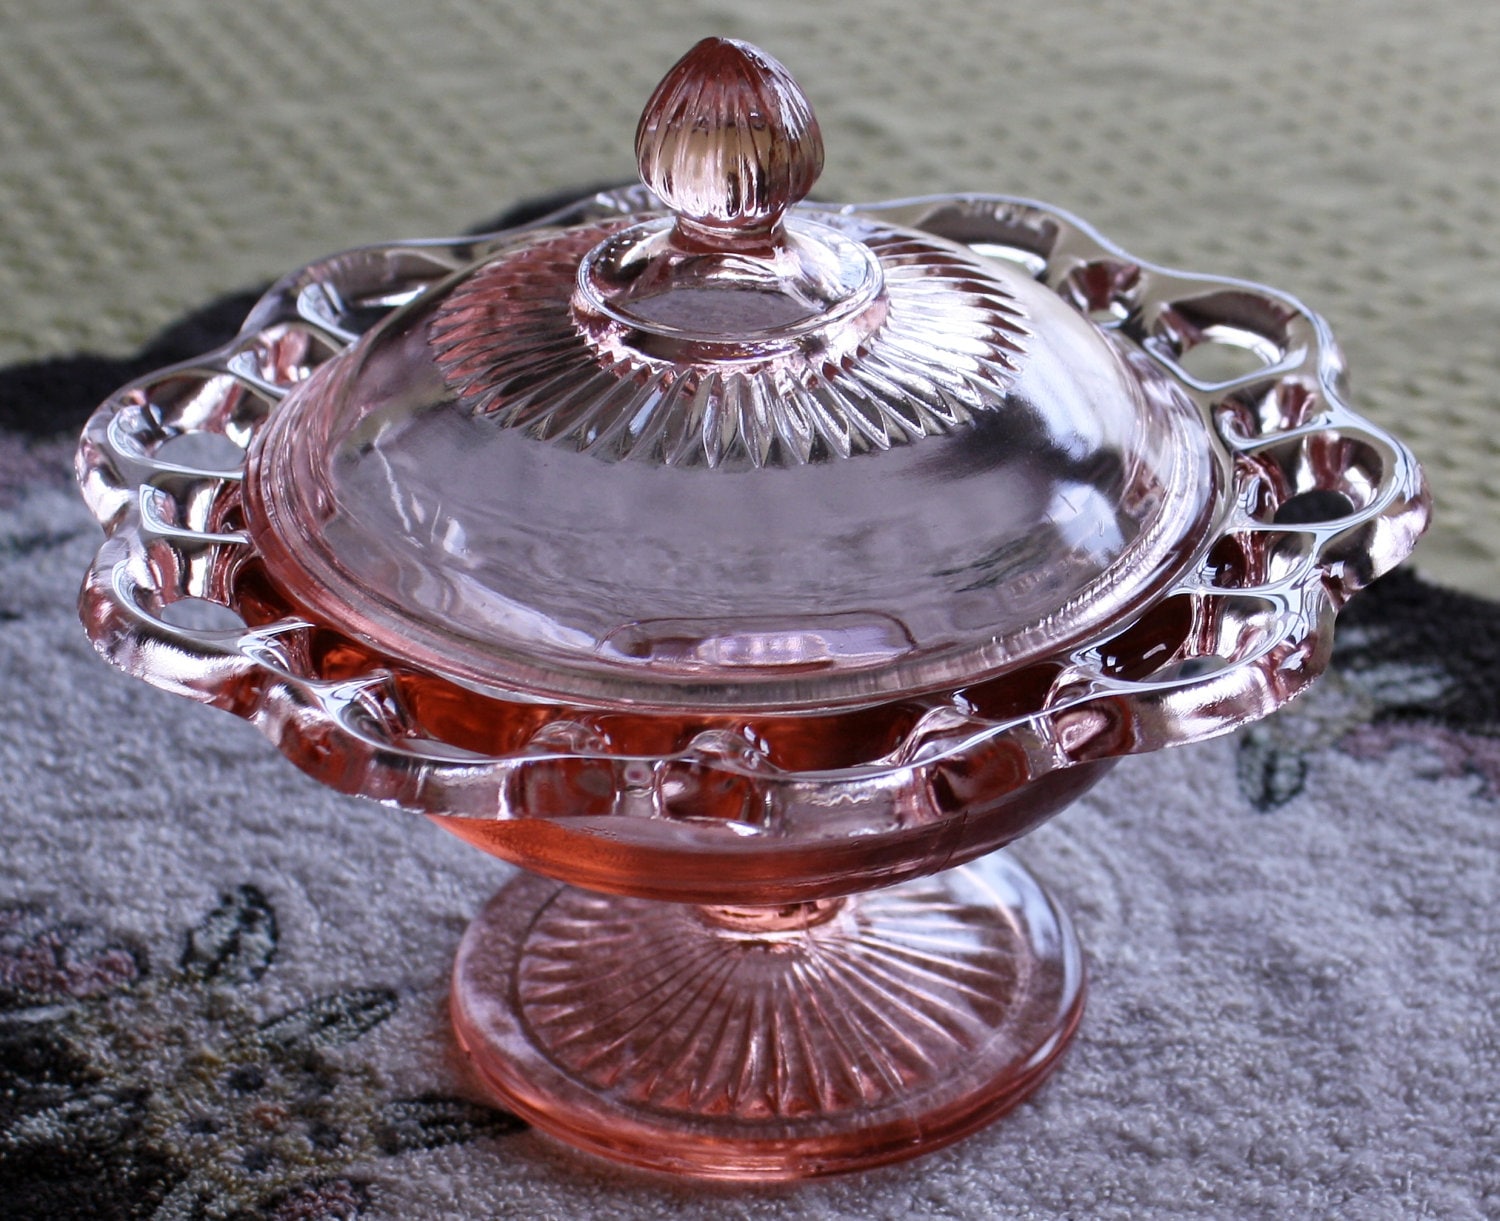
769	1043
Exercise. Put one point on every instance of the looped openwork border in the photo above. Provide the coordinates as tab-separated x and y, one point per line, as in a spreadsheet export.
1322	503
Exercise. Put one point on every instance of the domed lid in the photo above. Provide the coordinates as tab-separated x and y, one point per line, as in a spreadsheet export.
739	452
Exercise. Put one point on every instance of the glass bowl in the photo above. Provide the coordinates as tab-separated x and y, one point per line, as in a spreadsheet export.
748	571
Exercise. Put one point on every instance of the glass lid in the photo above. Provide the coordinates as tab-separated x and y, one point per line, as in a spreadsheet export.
739	451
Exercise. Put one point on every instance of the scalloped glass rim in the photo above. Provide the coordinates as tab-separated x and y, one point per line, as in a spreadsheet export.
1256	615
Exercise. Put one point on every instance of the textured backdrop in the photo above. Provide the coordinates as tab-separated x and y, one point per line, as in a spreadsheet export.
157	152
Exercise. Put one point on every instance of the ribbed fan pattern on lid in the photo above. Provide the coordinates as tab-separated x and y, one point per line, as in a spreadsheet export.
951	344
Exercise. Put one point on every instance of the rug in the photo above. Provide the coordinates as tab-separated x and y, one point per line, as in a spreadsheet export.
223	988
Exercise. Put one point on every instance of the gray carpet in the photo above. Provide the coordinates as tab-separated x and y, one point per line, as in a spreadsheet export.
222	987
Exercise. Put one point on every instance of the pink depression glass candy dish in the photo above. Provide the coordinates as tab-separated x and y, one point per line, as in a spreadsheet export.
749	571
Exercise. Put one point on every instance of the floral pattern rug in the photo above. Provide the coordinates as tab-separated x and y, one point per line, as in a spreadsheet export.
222	989
141	1090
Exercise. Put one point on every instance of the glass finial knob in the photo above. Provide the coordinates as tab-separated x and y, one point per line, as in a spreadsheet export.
728	140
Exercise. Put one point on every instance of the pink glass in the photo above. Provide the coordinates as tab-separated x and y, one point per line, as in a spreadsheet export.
749	572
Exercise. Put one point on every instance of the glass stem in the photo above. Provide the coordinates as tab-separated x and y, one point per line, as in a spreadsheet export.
777	918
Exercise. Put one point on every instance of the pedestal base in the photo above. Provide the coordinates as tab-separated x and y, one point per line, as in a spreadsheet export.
769	1043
